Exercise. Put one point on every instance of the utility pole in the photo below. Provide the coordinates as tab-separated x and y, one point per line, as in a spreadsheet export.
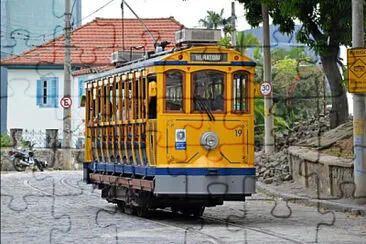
268	100
233	17
359	111
67	89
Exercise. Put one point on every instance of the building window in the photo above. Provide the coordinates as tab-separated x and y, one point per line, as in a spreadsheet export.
47	92
44	92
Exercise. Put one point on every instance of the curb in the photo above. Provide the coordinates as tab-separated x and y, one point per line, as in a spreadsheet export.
335	204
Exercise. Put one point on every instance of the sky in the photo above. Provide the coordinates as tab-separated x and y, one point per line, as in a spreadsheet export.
187	12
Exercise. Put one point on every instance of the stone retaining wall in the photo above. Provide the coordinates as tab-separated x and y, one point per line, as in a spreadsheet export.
54	157
329	175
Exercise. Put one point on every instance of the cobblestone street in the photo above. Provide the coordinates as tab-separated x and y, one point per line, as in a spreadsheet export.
57	207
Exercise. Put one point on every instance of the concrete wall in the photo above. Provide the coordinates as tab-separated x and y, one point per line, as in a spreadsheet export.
328	175
54	158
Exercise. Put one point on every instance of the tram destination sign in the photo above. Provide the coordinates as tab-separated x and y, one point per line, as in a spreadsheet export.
356	63
209	57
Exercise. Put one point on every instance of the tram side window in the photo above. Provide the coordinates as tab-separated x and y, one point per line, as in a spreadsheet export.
240	101
208	93
174	91
151	79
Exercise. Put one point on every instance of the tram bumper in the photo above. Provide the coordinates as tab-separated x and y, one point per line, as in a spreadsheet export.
230	187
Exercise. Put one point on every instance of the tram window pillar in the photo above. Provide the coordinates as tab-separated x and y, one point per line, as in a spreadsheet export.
152	99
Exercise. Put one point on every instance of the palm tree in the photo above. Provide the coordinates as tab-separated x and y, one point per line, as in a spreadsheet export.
227	25
245	40
213	20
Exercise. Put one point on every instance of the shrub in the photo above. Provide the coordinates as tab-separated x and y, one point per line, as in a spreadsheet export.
5	140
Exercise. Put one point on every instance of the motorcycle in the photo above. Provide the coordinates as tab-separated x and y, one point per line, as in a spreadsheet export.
23	158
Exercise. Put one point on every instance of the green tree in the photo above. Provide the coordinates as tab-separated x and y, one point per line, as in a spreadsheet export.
326	25
298	87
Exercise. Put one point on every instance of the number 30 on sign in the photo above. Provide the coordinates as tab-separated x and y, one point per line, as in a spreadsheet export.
266	88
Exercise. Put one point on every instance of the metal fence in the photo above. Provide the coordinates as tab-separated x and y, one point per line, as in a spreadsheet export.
49	138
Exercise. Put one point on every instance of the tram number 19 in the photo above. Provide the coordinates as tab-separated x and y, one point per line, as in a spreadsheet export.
238	132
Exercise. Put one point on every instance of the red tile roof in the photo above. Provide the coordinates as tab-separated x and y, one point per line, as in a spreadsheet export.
94	42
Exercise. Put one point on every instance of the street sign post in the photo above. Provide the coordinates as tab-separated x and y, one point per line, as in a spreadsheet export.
356	63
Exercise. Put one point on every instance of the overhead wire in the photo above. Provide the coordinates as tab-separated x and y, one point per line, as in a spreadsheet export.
105	5
73	5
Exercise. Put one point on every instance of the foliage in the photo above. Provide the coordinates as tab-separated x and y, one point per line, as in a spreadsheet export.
5	140
298	87
321	19
225	41
326	25
245	40
279	122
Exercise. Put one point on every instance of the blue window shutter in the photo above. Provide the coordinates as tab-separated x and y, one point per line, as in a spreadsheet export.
39	93
56	92
52	89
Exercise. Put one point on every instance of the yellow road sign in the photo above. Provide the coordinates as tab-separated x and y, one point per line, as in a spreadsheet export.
356	63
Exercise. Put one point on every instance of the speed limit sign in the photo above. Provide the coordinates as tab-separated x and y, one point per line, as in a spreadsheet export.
266	88
66	102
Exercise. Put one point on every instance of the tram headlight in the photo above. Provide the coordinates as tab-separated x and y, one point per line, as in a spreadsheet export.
209	140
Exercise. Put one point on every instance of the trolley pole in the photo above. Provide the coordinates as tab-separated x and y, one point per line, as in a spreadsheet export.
268	100
67	90
233	17
359	111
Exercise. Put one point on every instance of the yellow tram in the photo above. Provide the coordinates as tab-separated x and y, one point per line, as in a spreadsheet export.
175	129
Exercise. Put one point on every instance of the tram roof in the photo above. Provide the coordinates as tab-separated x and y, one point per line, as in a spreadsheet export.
134	65
158	59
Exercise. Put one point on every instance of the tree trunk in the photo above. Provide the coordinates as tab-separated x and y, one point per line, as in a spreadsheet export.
339	111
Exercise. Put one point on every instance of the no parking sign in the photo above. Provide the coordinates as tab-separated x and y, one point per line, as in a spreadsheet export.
66	102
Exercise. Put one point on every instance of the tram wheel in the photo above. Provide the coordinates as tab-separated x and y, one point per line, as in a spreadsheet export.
121	206
130	210
186	212
141	211
198	211
174	210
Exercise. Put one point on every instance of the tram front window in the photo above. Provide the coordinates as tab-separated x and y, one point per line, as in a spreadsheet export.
174	91
240	92
208	91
